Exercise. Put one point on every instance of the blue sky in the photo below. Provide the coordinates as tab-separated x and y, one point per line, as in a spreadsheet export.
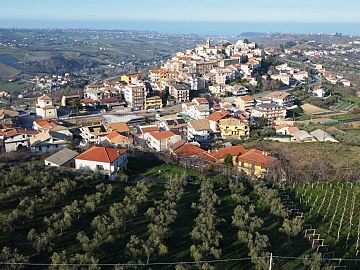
334	11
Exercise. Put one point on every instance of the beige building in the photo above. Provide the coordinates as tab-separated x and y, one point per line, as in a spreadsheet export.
233	128
269	111
245	103
45	108
135	96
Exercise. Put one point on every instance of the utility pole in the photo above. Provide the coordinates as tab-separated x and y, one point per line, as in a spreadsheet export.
271	259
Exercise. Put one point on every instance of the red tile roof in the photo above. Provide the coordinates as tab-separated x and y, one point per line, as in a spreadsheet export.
118	126
44	97
116	138
109	100
246	98
110	89
46	123
292	130
202	100
232	150
258	158
217	116
101	154
87	101
161	135
146	129
14	131
190	150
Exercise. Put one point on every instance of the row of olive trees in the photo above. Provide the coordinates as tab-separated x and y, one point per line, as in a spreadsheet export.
161	215
17	181
11	259
248	224
62	261
28	206
27	173
107	226
269	199
205	235
62	220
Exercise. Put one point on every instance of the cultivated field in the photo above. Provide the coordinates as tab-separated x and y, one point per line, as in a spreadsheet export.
159	218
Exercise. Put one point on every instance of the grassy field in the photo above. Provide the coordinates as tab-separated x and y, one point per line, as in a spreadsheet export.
178	243
7	71
13	87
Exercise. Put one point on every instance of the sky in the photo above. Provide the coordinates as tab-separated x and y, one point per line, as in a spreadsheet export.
91	13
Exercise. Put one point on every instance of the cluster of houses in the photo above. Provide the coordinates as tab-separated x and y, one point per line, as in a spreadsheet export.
289	76
332	77
109	160
201	122
50	82
208	66
290	133
110	139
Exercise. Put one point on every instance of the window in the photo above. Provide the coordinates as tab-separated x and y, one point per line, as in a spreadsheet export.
99	167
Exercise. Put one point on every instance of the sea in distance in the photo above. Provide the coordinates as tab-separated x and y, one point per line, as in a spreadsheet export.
194	27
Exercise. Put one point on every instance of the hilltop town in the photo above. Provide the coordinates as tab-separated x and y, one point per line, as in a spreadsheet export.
201	101
219	148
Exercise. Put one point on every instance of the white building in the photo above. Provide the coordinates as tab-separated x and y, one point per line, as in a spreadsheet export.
102	160
198	130
198	111
161	140
281	98
93	134
45	108
15	139
269	111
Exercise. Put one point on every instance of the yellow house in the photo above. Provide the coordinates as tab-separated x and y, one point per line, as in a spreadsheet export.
153	103
256	163
131	78
233	128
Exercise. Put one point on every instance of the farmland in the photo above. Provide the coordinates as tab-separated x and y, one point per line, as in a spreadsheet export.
332	208
58	216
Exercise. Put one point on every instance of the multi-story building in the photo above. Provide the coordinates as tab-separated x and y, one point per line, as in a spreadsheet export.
282	98
233	128
131	78
135	96
270	111
245	103
198	111
93	134
102	160
198	130
180	92
257	163
161	140
204	67
154	102
214	119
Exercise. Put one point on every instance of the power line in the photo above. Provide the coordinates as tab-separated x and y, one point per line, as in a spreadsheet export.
182	262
